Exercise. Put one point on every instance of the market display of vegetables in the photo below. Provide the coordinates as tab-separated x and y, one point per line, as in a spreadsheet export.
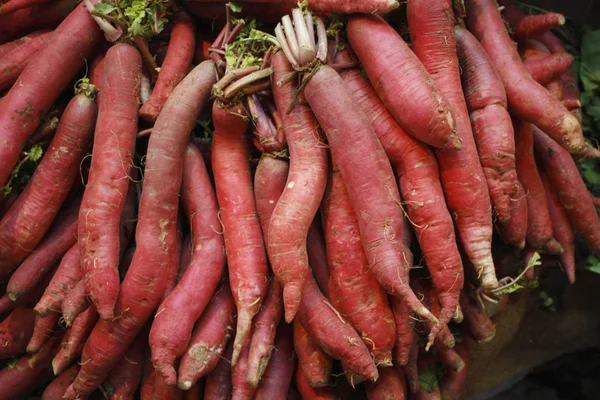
277	200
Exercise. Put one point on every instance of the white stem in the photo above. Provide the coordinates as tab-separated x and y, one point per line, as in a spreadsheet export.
311	30
306	53
322	40
288	27
284	45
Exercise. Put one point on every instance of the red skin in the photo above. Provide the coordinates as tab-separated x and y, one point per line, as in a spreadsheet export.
427	361
64	280
44	328
11	6
404	331
175	67
27	301
514	231
333	333
61	237
356	294
40	83
195	393
374	195
480	326
527	99
328	6
15	332
74	303
29	372
302	195
317	255
453	383
241	388
10	46
371	38
312	361
175	319
431	26
539	225
7	202
535	25
421	191
218	385
308	392
278	375
43	16
209	339
125	377
486	102
11	65
410	369
74	339
57	387
96	70
156	233
551	67
562	229
390	386
25	225
246	258
154	387
103	200
569	187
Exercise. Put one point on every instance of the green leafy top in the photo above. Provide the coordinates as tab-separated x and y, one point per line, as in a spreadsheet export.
515	284
143	18
249	47
428	379
24	170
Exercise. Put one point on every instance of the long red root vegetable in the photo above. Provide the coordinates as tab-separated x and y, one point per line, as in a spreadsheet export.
242	390
246	258
74	303
44	329
24	226
313	363
535	25
27	301
209	339
431	26
278	375
391	385
175	318
553	66
58	386
10	46
12	64
104	196
123	381
527	99
218	384
327	6
156	233
302	195
309	392
480	326
41	82
15	332
175	67
10	6
43	16
569	186
492	127
72	342
453	382
420	108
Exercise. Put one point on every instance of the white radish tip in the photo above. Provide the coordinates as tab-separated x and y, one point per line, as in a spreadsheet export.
185	385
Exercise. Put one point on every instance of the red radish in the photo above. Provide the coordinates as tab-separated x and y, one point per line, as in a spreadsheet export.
317	255
551	67
391	385
480	326
27	301
175	318
539	225
10	46
175	67
355	292
527	99
156	232
43	16
154	388
74	303
569	186
28	373
302	195
73	340
104	196
427	368
12	64
58	386
123	381
326	6
312	361
246	256
453	383
242	390
326	327
40	83
514	231
535	25
61	237
29	219
421	191
372	38
493	130
410	369
218	384
561	227
431	25
209	339
308	392
195	393
278	375
64	280
44	329
96	70
11	6
15	332
404	331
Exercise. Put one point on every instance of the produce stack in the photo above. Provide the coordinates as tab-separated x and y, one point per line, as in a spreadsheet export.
303	205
